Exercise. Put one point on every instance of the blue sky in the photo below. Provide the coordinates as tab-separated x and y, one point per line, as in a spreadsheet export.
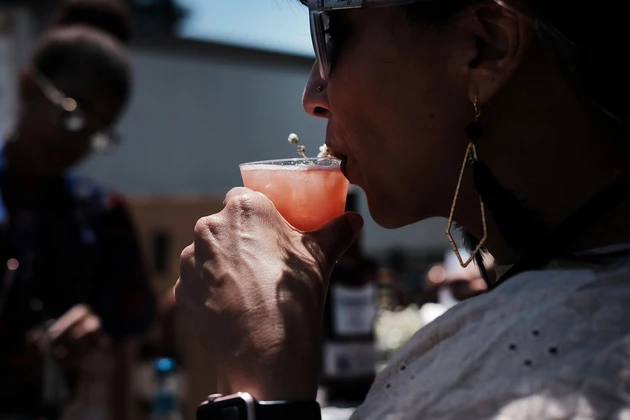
276	25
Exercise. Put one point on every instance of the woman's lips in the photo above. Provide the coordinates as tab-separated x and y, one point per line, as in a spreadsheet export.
343	165
342	158
335	153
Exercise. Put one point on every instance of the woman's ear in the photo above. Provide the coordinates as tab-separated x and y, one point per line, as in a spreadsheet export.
502	39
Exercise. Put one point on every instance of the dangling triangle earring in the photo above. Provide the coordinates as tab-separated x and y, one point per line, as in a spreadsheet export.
474	131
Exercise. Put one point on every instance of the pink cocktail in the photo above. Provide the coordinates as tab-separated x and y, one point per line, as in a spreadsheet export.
308	193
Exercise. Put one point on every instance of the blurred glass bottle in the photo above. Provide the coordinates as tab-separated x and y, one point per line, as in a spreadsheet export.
348	339
166	404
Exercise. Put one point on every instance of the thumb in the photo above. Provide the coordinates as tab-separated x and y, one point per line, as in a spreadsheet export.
336	237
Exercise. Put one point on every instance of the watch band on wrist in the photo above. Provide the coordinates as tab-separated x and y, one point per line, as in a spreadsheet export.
243	406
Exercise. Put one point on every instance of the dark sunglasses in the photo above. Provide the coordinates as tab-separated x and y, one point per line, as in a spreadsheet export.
323	41
73	117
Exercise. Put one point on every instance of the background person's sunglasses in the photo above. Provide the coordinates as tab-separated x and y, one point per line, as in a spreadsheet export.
73	117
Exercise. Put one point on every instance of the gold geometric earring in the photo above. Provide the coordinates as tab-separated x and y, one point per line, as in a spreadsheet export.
474	131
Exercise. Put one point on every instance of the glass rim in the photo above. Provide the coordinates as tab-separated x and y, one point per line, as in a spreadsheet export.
335	163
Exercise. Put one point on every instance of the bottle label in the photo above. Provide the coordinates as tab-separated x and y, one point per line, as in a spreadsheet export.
349	360
354	310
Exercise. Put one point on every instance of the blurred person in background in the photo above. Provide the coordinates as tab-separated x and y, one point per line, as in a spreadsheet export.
74	282
453	283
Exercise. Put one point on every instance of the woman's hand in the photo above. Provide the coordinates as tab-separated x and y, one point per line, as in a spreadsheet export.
254	288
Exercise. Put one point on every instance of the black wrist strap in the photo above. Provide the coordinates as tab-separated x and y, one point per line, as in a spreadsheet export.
288	410
243	406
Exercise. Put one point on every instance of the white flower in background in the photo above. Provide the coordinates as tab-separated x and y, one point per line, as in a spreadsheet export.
394	329
301	149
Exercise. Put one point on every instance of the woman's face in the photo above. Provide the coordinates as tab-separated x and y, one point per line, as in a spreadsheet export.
397	104
51	148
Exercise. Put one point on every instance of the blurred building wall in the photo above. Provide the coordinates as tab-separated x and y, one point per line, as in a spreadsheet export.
200	109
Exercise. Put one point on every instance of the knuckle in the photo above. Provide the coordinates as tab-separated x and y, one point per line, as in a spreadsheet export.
206	226
243	202
188	254
201	227
249	203
236	191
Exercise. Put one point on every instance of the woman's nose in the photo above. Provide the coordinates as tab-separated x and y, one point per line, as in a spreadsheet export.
315	97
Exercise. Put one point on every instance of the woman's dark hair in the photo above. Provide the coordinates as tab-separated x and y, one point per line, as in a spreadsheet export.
88	36
586	39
